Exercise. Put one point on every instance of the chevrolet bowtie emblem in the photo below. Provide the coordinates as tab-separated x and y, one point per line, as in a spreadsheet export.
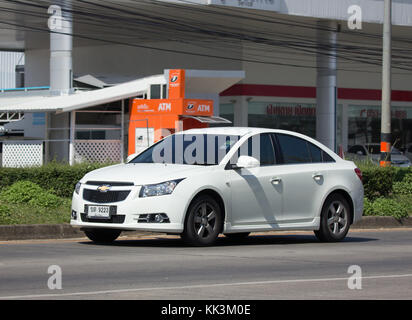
104	188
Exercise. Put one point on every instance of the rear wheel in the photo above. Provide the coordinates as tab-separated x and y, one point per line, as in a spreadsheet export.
335	219
203	222
102	235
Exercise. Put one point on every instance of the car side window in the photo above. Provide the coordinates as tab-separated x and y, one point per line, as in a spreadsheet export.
326	157
318	155
410	149
315	152
259	147
294	150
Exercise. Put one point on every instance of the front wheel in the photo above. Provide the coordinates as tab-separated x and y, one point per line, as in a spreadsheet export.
102	235
204	222
335	219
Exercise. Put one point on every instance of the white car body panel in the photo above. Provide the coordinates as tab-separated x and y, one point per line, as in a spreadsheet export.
251	201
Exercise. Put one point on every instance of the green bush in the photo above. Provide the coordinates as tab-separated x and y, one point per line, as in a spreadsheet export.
46	200
403	186
401	173
27	192
58	179
20	192
377	181
5	215
385	207
367	207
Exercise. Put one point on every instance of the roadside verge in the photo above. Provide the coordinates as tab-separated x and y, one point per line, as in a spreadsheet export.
66	231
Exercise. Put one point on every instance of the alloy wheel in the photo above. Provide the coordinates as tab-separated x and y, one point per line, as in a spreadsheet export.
205	220
337	218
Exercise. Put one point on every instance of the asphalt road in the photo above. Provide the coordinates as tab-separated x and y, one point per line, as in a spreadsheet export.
275	266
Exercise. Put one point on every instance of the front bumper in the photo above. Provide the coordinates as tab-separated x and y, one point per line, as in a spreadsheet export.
129	210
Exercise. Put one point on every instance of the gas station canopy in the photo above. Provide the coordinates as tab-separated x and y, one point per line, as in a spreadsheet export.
197	81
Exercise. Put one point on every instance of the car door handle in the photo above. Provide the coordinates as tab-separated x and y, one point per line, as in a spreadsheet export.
317	176
275	180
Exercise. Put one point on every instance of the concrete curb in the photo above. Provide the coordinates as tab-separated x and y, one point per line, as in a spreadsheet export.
50	231
39	231
371	222
66	231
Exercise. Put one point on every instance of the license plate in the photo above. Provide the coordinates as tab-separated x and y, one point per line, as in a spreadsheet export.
98	212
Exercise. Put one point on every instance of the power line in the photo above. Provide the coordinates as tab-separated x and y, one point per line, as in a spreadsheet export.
186	32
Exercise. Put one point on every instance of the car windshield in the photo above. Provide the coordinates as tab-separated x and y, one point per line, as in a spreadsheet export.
192	149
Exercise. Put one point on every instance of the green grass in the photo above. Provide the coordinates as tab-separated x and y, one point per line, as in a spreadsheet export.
25	202
11	214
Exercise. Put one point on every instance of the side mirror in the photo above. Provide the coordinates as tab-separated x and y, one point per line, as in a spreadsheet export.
131	157
247	162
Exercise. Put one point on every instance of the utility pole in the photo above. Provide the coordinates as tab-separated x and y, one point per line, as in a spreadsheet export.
385	160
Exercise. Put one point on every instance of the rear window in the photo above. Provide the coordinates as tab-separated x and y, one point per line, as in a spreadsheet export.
296	150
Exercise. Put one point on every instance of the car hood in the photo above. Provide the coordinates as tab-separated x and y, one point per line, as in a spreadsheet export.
143	173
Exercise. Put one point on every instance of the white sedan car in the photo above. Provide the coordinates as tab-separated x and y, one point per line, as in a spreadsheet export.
202	182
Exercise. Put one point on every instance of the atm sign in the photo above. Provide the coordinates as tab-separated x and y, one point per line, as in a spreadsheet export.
198	107
203	108
165	107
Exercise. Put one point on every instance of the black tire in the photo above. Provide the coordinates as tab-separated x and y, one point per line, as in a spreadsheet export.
335	219
203	222
102	235
237	236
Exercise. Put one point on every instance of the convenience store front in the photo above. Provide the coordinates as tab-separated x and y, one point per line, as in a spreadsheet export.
358	112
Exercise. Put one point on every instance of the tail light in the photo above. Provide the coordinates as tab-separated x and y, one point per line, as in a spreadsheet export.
359	173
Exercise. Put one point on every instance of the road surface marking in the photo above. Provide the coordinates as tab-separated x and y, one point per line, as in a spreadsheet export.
56	295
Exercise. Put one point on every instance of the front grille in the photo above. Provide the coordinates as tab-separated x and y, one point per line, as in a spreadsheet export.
104	197
113	219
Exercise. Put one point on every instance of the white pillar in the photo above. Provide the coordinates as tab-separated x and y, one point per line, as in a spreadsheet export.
122	133
345	127
240	117
326	84
46	138
72	136
61	45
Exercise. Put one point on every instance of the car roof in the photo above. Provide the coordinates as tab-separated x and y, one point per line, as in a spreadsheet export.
242	131
237	131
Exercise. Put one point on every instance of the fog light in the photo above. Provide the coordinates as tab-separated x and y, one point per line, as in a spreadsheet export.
74	215
153	218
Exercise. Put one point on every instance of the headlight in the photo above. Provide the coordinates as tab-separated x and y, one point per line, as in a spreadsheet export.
77	187
160	189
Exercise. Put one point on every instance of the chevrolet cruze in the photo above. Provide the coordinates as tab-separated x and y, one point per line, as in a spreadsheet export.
202	182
